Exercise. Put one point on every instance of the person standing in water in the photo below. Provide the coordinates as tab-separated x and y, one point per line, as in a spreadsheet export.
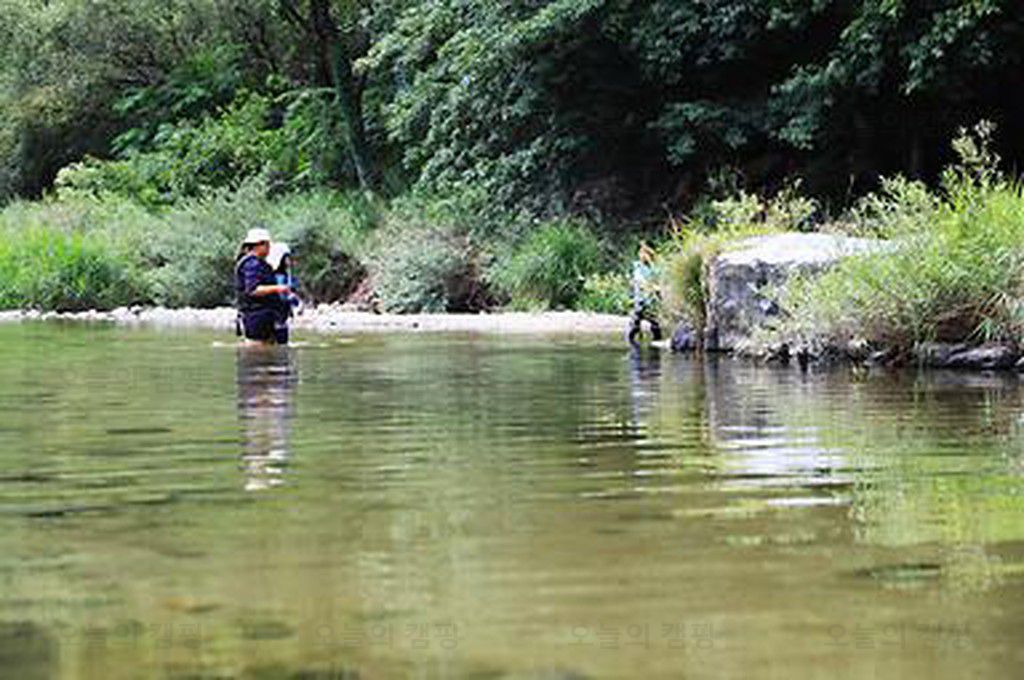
258	295
645	296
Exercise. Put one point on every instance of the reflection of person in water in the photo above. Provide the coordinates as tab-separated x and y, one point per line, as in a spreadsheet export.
266	382
644	371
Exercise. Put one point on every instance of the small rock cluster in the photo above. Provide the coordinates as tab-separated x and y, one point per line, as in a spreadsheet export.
221	317
985	357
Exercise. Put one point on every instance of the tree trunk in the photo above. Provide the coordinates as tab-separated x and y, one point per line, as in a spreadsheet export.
349	97
348	91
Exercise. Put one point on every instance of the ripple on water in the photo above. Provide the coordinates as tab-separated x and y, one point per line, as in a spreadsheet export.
535	497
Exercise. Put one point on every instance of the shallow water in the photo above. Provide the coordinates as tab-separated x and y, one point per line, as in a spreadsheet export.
437	506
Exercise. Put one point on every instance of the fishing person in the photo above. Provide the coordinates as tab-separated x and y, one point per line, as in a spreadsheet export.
257	292
645	296
280	260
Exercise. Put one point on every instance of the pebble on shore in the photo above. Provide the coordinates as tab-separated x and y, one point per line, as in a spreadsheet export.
338	318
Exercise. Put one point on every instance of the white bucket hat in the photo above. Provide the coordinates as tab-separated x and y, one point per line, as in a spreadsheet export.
257	235
277	252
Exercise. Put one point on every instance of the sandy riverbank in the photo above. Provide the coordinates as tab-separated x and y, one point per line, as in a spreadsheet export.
336	319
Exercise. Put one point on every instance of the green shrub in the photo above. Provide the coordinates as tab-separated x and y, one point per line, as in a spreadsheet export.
241	143
549	268
424	261
899	208
607	293
741	211
187	158
329	241
53	270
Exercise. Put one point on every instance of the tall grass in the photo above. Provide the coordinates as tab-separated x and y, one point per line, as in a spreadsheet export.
65	271
549	267
69	258
956	273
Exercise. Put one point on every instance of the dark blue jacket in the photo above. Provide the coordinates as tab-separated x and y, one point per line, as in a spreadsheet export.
250	272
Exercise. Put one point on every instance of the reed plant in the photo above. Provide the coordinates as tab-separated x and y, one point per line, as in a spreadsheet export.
548	268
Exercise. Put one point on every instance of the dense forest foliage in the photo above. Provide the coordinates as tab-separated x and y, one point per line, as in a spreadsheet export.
495	131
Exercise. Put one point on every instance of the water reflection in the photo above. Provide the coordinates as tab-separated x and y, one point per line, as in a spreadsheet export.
914	463
642	515
28	648
644	374
754	417
266	385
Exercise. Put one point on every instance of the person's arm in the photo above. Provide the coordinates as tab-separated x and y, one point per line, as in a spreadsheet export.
268	289
253	277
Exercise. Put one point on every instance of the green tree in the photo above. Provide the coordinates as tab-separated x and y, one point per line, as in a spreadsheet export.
339	36
66	62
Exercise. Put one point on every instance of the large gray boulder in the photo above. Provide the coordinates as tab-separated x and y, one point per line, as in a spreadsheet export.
741	276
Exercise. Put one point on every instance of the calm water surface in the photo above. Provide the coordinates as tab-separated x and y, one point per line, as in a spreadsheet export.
449	506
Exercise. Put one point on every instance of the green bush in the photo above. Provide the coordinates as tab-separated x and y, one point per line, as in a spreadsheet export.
243	142
607	293
192	250
549	267
424	261
53	270
329	236
187	159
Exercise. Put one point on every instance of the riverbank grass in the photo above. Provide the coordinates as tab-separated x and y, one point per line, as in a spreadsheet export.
79	251
955	272
50	269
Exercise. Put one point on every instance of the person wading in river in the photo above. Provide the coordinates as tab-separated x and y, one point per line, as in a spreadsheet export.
645	296
258	295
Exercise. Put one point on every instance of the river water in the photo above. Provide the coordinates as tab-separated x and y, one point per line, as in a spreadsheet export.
435	506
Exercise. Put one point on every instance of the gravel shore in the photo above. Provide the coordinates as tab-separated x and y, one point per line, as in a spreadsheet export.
337	319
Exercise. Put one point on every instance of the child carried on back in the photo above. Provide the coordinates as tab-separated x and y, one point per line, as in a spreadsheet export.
279	260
